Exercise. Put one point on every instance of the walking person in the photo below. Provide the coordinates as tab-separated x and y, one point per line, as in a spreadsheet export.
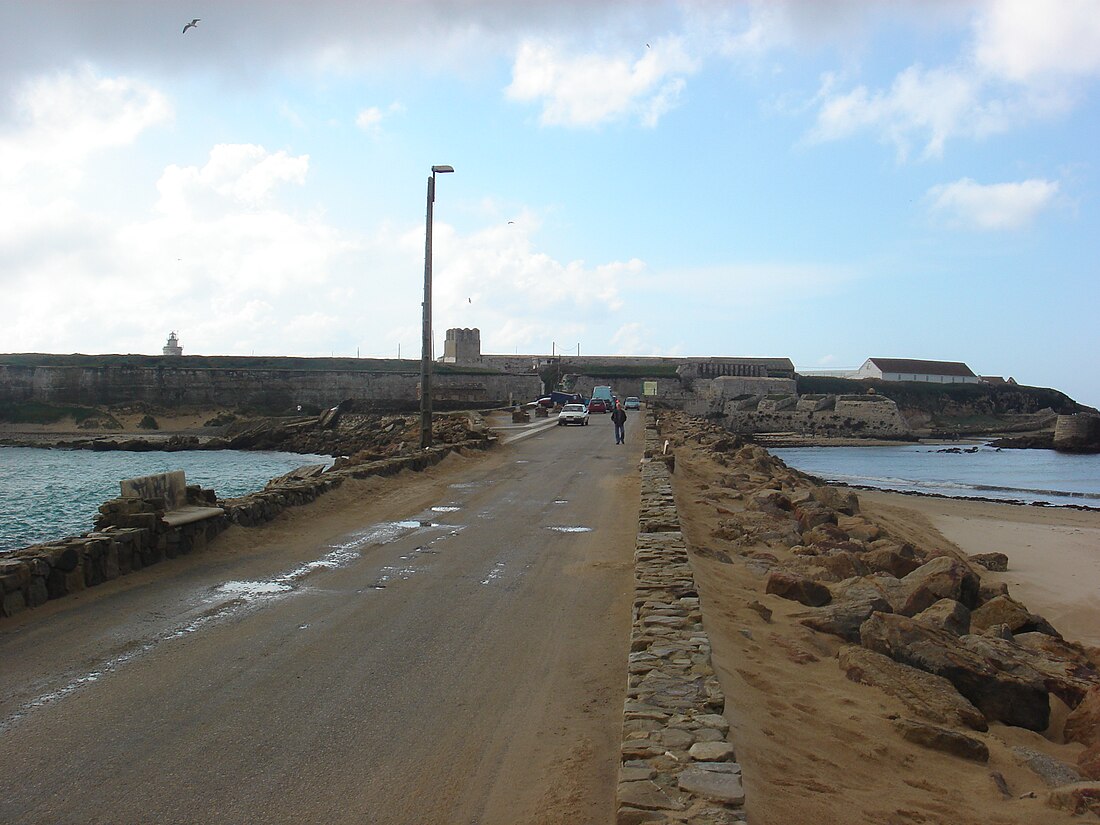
618	418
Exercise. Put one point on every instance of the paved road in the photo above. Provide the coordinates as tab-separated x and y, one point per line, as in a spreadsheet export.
442	648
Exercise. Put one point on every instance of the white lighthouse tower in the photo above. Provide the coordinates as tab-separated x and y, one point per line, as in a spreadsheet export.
173	346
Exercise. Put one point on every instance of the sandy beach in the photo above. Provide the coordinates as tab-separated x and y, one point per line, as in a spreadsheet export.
816	747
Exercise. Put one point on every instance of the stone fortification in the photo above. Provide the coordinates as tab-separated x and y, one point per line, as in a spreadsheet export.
769	405
1077	433
132	533
676	763
173	386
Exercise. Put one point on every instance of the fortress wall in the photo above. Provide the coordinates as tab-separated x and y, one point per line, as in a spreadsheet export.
879	419
1071	431
170	387
625	387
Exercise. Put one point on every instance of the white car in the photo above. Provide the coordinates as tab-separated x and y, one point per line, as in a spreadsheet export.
573	414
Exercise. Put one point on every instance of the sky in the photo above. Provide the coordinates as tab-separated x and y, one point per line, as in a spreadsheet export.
825	180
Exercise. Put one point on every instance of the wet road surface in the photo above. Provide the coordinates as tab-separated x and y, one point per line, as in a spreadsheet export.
449	648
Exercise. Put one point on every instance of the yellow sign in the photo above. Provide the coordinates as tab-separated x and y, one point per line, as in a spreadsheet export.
649	388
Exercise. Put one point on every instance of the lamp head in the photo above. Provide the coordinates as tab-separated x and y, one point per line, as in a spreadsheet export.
439	169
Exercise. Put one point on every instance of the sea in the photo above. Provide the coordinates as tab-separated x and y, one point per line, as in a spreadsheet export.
959	471
47	494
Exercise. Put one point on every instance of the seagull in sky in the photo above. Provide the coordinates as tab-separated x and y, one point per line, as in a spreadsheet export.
193	24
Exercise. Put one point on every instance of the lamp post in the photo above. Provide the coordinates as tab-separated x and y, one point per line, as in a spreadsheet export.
426	343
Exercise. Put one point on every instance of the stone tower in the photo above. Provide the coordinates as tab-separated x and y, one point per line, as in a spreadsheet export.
173	346
463	346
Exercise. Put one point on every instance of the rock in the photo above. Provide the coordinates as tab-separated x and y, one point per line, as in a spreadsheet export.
996	562
941	578
943	739
770	501
718	787
888	560
638	773
1083	723
1078	798
843	501
764	612
1006	697
824	534
947	614
712	752
646	795
1088	763
859	528
797	588
1047	768
991	590
1086	657
1062	677
812	514
924	694
1006	610
844	619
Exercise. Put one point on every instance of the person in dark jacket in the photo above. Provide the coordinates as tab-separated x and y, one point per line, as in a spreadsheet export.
618	418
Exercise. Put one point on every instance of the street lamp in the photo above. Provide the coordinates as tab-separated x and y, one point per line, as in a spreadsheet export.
426	343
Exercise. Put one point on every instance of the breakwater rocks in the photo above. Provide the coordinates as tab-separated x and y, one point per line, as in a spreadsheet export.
132	533
922	624
676	763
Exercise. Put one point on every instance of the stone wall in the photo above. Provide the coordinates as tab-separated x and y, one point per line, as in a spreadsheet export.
1079	432
844	416
169	386
676	764
131	533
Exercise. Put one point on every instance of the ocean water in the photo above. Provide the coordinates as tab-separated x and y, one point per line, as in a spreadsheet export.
49	494
1029	476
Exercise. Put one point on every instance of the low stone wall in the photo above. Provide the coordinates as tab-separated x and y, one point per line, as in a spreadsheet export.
131	533
676	763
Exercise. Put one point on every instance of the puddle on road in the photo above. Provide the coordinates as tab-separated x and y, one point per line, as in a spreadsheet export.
573	529
446	508
560	501
252	590
495	573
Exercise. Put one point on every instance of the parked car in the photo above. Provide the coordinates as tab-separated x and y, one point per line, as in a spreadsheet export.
545	401
632	403
573	414
597	405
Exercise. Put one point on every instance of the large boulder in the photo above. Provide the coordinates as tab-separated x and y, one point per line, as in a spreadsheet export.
1065	678
1083	723
1003	696
1006	610
948	614
996	562
843	501
859	528
844	619
797	588
890	560
924	694
941	578
943	739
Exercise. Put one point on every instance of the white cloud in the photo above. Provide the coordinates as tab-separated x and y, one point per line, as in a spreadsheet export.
992	206
1021	64
370	119
1025	41
235	175
62	119
590	89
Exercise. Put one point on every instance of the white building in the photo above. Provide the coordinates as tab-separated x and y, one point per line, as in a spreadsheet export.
909	369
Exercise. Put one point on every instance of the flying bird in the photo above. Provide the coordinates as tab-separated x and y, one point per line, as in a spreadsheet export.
193	24
511	221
